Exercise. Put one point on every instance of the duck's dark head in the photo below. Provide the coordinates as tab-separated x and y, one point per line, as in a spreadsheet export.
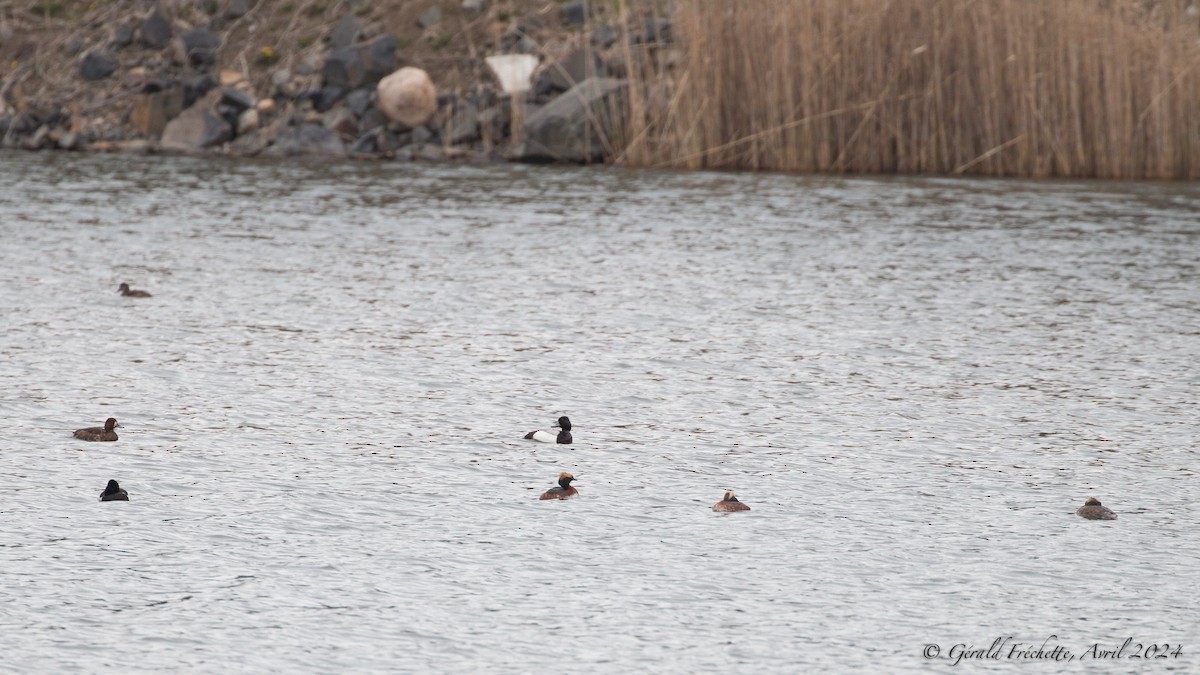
123	288
563	423
564	480
729	496
110	424
112	488
1092	501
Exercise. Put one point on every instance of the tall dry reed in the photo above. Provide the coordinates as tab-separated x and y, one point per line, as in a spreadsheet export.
1084	88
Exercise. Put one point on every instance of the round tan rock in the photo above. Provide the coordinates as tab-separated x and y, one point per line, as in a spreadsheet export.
408	96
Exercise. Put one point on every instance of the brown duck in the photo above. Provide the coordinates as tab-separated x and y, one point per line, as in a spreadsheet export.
104	433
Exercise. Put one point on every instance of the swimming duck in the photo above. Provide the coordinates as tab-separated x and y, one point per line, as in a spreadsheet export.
564	489
114	493
129	293
99	434
563	436
730	503
1093	510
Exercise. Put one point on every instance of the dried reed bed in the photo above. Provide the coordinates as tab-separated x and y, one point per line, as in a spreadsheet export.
1081	88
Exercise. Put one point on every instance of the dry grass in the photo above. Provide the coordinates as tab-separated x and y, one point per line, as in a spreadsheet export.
1083	88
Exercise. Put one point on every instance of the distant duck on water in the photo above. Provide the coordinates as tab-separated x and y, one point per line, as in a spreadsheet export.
730	503
127	292
114	493
563	436
105	433
1092	509
564	489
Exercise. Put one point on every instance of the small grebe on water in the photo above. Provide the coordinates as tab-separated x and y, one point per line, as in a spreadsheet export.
564	489
127	292
730	503
1093	510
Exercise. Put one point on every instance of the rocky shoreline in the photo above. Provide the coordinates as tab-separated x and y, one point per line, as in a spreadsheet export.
170	77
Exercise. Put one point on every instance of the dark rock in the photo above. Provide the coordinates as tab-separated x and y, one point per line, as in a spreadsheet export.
327	97
122	35
24	123
360	65
580	65
196	128
96	66
345	32
430	17
386	141
56	118
367	144
604	37
238	98
156	30
341	121
574	13
576	126
657	31
380	59
201	45
421	135
74	46
306	139
229	113
237	9
372	119
343	68
197	88
358	101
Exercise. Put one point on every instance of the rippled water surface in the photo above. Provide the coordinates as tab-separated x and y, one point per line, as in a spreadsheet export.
913	383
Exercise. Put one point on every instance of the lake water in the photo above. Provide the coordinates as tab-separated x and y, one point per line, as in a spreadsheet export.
913	383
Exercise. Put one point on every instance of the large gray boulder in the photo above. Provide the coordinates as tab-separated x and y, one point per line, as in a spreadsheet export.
577	126
196	128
